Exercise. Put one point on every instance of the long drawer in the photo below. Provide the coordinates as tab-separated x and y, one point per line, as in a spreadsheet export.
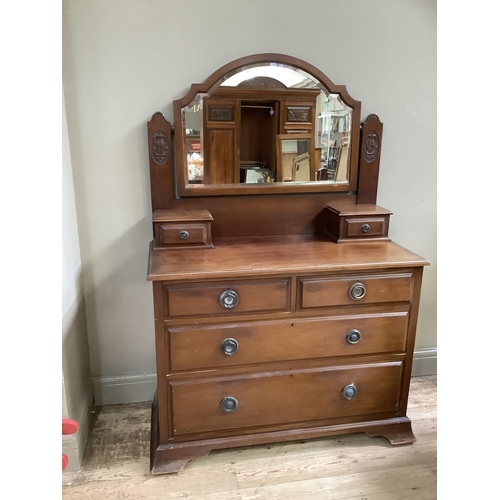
235	297
354	289
279	398
270	341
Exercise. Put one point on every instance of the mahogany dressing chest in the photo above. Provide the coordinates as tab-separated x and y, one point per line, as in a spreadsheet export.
283	311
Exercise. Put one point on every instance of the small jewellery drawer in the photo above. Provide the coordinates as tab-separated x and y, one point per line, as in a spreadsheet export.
356	222
245	343
365	227
279	398
184	234
349	290
182	228
227	298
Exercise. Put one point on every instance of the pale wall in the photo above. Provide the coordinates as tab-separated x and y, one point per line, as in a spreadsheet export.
125	59
76	381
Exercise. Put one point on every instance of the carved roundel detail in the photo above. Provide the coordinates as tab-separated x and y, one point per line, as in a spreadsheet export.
159	147
371	147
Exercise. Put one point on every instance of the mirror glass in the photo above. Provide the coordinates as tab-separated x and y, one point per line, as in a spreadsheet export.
267	124
294	159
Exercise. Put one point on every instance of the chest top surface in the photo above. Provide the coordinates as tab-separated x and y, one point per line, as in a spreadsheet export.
266	256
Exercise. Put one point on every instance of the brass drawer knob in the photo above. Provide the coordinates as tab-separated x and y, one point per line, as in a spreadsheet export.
357	291
365	228
349	392
183	235
353	336
228	299
229	404
229	346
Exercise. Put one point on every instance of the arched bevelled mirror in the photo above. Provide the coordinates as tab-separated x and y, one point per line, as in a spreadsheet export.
266	124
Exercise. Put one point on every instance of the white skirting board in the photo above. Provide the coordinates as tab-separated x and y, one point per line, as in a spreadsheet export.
424	362
142	387
124	389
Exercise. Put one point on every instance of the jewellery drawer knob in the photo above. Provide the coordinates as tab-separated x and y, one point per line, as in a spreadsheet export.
229	404
229	346
349	392
228	299
365	228
183	235
357	291
353	336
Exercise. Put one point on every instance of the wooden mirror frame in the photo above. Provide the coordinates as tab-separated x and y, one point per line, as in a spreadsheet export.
184	189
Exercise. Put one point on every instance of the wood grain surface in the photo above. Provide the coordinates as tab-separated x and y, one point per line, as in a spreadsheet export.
260	256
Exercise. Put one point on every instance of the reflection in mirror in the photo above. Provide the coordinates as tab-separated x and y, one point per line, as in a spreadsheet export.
286	76
193	141
253	172
333	137
294	158
240	132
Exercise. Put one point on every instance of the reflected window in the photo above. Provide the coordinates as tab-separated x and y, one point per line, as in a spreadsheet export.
192	118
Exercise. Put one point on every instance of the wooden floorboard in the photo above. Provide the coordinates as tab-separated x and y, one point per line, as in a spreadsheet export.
350	467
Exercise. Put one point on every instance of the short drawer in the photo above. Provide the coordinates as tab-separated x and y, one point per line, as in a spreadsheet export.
279	398
182	228
349	290
348	222
179	235
227	298
244	343
366	227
